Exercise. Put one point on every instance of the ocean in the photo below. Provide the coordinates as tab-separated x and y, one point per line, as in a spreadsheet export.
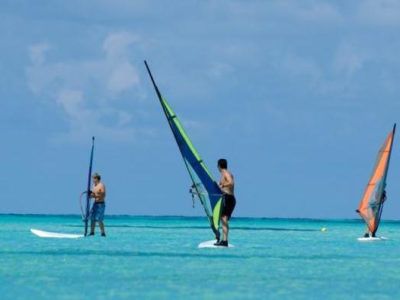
158	258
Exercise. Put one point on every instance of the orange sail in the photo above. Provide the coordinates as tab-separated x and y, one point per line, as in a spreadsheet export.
371	204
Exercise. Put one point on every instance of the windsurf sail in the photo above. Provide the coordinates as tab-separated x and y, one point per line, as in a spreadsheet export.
86	214
203	186
371	204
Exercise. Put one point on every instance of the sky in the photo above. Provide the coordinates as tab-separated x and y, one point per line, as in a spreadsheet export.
297	95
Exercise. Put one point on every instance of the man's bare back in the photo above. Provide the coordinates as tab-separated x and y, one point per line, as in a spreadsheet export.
227	182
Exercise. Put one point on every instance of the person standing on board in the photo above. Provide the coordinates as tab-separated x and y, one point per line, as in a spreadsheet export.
97	212
227	185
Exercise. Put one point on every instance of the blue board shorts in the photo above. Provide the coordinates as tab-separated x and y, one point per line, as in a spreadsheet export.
97	211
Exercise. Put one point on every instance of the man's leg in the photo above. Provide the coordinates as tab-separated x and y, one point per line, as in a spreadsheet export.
223	241
225	228
92	226
367	234
101	225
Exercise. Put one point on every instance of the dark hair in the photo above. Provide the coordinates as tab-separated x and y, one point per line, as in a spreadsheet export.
97	176
223	163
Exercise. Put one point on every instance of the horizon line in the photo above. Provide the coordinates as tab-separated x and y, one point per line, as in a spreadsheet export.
188	216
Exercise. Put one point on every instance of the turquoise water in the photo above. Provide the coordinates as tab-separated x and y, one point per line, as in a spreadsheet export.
157	257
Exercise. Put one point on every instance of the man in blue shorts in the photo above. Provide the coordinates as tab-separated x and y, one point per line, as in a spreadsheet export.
97	211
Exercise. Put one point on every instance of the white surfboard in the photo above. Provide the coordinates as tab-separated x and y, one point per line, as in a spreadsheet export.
55	235
372	239
210	244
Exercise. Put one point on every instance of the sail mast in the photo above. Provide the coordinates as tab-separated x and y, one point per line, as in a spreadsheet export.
390	151
89	183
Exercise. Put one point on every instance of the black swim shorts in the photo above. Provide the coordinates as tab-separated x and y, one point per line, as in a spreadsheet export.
228	205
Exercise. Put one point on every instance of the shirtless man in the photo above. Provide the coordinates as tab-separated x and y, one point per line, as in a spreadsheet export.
97	212
227	185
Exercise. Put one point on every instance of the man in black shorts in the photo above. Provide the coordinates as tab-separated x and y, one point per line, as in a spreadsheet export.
227	185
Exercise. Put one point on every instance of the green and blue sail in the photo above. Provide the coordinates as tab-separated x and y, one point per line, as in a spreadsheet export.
204	186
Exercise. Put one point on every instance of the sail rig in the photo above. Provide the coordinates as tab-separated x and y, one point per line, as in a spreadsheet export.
204	186
86	213
371	204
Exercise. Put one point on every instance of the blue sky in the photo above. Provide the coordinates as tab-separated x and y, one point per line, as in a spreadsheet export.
297	95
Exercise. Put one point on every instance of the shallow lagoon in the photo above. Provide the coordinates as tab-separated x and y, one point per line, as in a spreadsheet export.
157	257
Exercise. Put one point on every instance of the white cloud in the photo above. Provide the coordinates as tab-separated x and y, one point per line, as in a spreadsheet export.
123	76
379	12
311	10
219	70
116	45
349	59
85	89
301	67
306	10
193	124
71	101
37	53
105	121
